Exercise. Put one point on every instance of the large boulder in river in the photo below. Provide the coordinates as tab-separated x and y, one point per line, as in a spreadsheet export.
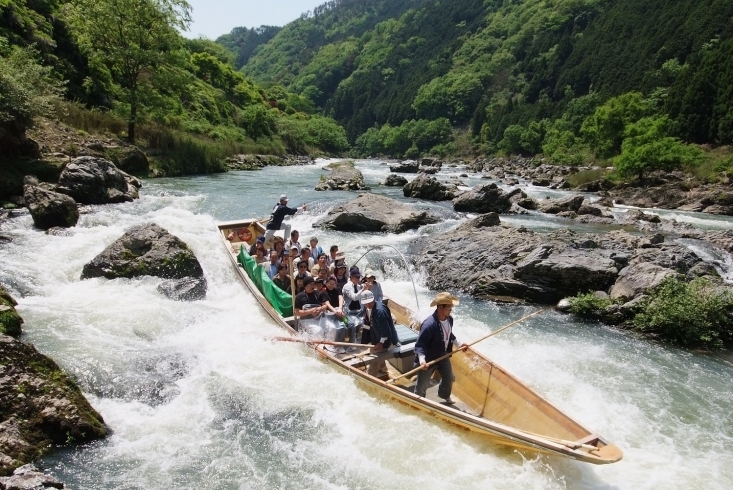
372	213
394	180
146	250
639	278
426	187
405	167
129	159
49	209
344	177
92	180
40	407
563	204
485	198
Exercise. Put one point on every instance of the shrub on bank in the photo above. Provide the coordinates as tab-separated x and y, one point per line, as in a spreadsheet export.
694	314
588	305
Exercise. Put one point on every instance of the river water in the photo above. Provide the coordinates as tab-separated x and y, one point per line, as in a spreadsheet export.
196	397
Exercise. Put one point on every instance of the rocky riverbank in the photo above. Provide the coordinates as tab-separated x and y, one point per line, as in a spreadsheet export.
40	405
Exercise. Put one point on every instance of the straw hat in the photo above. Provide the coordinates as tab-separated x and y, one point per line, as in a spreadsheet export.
444	298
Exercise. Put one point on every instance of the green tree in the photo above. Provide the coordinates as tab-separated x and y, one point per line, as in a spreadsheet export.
27	91
604	130
646	147
131	39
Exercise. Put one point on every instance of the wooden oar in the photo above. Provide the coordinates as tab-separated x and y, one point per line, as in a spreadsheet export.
313	341
465	346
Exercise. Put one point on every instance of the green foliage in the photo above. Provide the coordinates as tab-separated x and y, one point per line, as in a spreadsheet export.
303	135
604	131
243	42
410	139
129	38
646	148
588	305
688	314
583	177
27	89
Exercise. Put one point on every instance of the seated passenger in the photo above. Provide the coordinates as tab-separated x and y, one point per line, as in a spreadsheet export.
321	263
316	249
293	242
279	247
272	265
260	256
259	243
302	273
341	277
370	282
352	291
305	255
332	256
335	298
320	284
282	279
309	296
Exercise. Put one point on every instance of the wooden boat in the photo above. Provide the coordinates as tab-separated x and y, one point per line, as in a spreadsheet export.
489	400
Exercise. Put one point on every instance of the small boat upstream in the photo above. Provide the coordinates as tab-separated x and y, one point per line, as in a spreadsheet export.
489	400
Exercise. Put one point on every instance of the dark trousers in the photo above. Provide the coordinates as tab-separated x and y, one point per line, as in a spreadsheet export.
366	336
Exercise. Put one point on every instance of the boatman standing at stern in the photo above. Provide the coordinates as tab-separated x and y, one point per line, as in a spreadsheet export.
279	212
436	339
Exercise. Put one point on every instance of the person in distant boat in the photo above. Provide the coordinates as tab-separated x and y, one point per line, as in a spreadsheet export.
273	265
370	283
382	331
316	249
305	256
293	241
321	263
352	291
277	216
282	279
302	273
334	250
435	340
309	296
341	277
335	298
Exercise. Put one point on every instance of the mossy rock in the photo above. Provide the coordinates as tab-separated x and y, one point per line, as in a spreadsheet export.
10	321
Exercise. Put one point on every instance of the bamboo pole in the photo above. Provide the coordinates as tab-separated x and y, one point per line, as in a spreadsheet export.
465	346
313	341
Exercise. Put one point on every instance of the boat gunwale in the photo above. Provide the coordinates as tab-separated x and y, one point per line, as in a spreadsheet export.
451	414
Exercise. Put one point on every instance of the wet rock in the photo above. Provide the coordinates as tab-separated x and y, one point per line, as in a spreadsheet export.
10	320
429	188
527	203
372	213
59	231
344	177
596	185
719	209
50	209
541	182
639	215
405	167
145	250
590	209
510	181
485	198
27	477
92	180
484	221
639	278
394	180
555	206
184	289
41	406
563	305
129	159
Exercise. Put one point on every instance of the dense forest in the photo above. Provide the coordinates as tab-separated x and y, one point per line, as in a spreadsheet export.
122	67
574	80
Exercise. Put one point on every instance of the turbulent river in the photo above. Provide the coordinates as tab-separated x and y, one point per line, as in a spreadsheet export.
198	398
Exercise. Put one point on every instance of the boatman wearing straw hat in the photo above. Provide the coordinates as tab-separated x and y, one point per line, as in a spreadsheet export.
435	340
279	212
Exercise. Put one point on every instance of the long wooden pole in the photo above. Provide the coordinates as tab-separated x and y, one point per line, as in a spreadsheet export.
313	341
292	289
465	346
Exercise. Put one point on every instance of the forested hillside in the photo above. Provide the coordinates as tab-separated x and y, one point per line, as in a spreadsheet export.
122	67
526	77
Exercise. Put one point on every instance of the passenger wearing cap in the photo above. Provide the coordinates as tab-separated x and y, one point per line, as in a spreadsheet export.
352	290
342	278
435	340
309	296
260	242
382	331
370	283
277	216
